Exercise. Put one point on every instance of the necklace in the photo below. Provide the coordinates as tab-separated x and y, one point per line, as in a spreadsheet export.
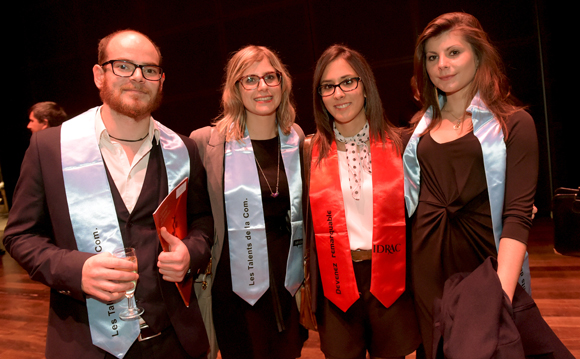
120	139
273	194
459	122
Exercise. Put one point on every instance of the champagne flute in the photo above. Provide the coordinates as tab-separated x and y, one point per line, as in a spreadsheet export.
132	312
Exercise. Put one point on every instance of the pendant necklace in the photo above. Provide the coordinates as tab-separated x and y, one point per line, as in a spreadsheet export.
273	194
459	122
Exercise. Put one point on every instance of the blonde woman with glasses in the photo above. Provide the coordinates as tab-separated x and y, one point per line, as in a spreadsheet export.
252	157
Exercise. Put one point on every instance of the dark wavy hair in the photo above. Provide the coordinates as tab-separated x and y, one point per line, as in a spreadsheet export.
380	127
489	80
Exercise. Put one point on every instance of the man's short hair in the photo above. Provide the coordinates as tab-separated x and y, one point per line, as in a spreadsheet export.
50	111
102	50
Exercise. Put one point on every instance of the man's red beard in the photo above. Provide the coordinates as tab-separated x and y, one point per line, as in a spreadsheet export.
137	110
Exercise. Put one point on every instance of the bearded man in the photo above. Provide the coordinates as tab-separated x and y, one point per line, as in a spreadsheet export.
90	187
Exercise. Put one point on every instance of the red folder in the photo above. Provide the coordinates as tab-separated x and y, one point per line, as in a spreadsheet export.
172	214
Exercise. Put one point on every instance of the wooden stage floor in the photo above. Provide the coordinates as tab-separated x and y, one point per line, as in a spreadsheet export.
555	285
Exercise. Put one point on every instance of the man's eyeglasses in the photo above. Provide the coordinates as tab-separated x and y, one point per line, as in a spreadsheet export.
347	85
251	82
125	68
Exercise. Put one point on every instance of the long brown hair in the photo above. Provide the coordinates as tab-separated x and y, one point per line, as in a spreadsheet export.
380	128
233	110
489	80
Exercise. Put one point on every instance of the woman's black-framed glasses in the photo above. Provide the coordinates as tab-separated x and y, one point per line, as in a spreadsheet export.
251	82
346	85
124	68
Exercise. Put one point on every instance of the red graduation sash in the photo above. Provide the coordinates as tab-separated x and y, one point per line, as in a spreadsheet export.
331	236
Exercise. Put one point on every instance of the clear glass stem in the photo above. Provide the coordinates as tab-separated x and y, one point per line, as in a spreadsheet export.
130	306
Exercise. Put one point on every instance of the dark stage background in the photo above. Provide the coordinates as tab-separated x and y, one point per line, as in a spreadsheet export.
56	47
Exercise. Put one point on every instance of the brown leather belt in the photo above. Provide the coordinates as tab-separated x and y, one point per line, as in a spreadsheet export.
361	255
146	332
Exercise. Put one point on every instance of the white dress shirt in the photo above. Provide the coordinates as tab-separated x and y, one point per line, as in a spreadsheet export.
359	214
128	177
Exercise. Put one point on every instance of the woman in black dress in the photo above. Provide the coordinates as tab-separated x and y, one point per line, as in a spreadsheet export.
252	159
471	165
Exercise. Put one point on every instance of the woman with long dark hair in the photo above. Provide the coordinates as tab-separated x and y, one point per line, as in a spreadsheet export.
357	215
471	165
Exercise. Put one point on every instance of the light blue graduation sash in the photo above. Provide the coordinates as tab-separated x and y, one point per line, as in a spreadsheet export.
245	218
490	135
94	218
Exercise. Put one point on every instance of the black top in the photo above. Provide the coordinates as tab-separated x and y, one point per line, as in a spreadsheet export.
269	328
452	229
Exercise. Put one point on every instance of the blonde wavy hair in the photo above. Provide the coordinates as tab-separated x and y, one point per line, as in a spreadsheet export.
232	120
